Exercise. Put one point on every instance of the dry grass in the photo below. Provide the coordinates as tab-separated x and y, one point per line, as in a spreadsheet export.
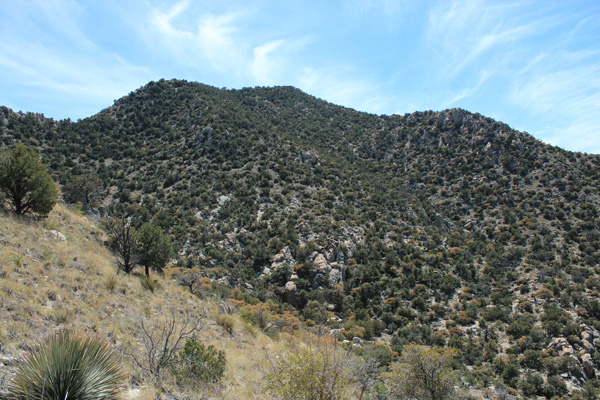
47	284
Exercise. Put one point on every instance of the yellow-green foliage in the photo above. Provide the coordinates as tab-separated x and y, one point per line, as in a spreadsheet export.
422	373
318	369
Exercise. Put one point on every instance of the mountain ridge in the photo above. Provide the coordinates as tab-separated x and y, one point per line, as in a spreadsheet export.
421	227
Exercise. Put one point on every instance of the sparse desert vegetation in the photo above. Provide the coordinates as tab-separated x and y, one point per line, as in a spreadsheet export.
262	217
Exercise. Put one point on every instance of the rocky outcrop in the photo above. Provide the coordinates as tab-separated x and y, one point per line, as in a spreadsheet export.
582	351
324	270
311	157
283	257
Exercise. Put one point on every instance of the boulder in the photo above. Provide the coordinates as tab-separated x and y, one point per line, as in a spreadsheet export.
57	235
290	292
283	257
221	200
566	351
317	280
310	157
225	281
588	346
587	336
321	263
335	277
588	365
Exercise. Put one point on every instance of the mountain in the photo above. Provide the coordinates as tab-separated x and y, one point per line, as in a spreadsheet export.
445	228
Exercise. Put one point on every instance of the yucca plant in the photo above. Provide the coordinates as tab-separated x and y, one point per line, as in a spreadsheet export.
68	367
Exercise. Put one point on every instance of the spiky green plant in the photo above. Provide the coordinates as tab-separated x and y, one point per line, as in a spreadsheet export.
68	367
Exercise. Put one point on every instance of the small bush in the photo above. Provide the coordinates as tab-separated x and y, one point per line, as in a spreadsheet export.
196	362
226	322
318	371
68	367
110	283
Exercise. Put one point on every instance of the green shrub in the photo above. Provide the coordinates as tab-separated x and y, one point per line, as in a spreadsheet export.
68	367
555	386
24	182
318	371
198	363
422	373
226	322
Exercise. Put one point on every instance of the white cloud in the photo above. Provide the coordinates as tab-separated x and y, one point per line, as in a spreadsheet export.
344	86
264	69
462	32
201	40
566	96
465	93
162	21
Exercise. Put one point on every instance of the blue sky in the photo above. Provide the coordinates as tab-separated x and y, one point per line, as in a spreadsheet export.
534	65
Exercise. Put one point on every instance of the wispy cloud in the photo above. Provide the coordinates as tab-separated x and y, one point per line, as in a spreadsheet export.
210	41
264	69
524	45
74	68
567	96
462	32
344	86
464	93
218	43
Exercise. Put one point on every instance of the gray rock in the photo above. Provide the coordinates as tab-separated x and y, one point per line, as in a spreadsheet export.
588	365
588	346
335	277
290	292
321	262
566	351
225	281
223	199
317	280
57	235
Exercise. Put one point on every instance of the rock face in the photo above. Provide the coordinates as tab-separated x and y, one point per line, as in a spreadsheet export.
221	200
585	348
283	257
335	277
588	365
321	262
290	292
324	269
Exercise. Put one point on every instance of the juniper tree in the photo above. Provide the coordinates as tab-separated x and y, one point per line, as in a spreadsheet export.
25	183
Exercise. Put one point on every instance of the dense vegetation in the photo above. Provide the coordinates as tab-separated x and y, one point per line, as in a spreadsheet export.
439	228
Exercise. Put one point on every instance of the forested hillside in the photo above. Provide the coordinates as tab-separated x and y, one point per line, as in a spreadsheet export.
440	228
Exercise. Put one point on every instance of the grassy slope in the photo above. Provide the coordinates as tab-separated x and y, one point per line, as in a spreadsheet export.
47	284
